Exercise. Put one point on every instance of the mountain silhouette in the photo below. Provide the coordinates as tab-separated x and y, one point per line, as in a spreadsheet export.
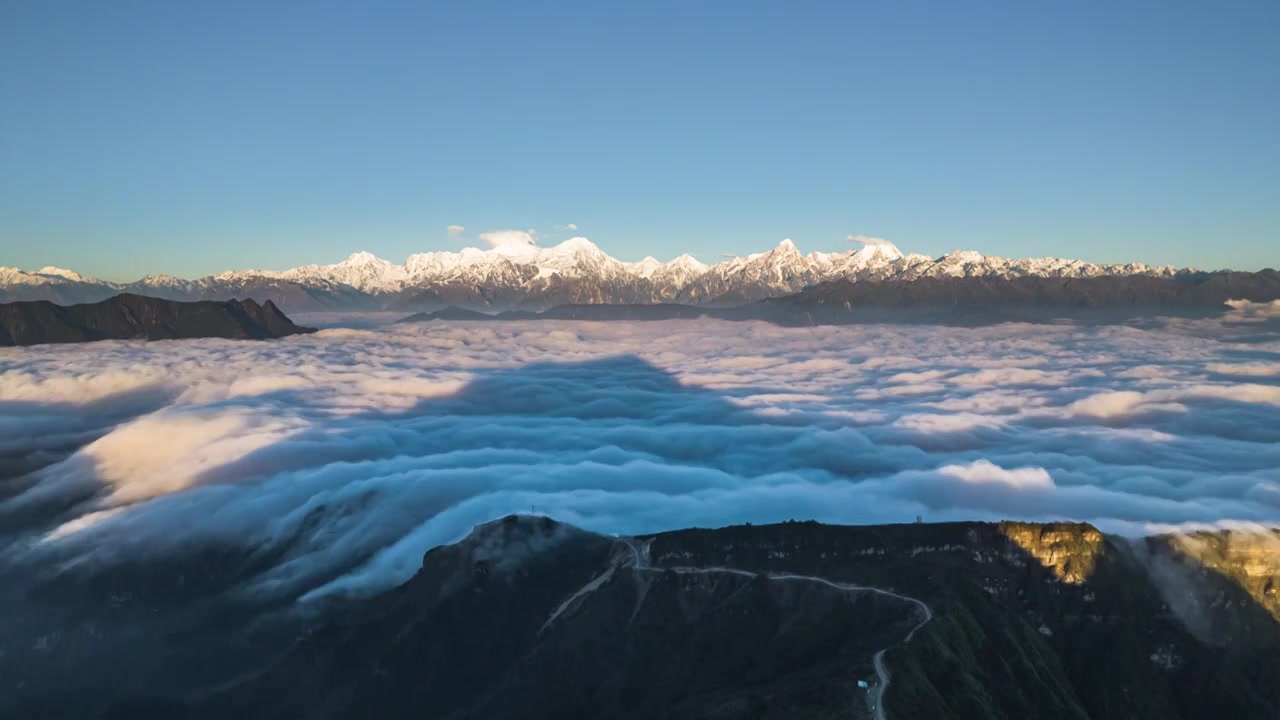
135	317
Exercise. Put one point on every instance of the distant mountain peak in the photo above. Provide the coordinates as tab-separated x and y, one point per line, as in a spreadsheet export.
162	279
644	268
574	245
964	256
876	248
62	273
786	247
363	258
688	261
515	272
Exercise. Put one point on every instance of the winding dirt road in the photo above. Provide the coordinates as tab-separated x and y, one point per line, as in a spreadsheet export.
875	696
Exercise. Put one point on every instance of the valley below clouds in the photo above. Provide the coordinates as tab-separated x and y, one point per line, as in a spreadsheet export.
343	456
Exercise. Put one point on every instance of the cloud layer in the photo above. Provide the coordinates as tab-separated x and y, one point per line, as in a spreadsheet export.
352	451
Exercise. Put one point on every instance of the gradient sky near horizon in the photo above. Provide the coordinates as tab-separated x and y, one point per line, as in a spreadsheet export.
190	138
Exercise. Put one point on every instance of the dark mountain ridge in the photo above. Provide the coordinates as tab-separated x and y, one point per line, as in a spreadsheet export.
133	317
530	618
1201	289
950	300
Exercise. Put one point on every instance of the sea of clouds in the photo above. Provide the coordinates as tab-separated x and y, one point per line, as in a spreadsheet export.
351	452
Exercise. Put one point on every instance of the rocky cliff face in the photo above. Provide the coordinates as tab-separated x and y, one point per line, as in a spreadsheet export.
1222	585
1250	558
1070	551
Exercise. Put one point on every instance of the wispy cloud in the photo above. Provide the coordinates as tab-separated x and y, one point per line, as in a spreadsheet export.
866	240
505	238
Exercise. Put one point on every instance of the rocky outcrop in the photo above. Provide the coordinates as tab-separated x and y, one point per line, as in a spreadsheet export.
1070	551
1249	557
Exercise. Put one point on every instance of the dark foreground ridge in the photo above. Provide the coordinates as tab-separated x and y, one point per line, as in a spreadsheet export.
961	300
134	317
531	618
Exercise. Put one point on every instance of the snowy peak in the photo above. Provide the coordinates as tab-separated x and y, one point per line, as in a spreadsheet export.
162	281
48	275
679	272
776	266
367	271
688	263
363	259
575	256
574	246
362	270
786	248
645	268
785	251
71	275
961	257
875	250
14	276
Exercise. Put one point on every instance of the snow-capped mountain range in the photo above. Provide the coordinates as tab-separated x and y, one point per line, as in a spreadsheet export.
524	275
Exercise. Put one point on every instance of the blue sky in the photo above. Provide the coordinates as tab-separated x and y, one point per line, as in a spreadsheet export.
189	138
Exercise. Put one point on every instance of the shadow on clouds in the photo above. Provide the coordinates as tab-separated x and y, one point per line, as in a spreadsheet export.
348	502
